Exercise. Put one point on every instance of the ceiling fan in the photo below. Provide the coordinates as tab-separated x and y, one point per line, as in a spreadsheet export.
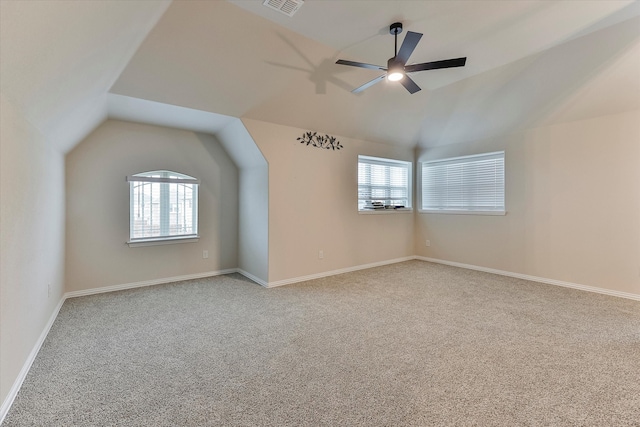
397	68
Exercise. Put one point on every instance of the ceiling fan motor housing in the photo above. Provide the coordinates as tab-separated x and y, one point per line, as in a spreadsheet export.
395	28
395	64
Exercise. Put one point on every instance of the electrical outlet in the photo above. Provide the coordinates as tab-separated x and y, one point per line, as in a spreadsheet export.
49	290
321	254
427	242
205	254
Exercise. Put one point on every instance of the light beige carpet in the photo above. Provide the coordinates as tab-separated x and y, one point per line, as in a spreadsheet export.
410	344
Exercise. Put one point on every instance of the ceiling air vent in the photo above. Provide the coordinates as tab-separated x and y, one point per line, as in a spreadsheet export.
288	7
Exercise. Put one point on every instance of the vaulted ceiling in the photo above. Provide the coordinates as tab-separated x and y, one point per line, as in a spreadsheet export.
529	62
58	59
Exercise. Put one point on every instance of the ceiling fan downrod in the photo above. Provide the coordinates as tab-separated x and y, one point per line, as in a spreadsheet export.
395	29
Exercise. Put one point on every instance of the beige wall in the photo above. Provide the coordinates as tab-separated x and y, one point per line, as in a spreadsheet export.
573	206
32	244
313	205
98	205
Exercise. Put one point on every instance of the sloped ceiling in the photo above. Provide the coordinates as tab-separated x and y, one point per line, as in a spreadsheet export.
525	58
529	62
490	33
58	58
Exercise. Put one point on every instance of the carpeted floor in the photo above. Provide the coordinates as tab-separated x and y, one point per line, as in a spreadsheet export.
410	344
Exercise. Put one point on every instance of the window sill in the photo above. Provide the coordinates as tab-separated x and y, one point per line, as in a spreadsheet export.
460	212
162	241
384	211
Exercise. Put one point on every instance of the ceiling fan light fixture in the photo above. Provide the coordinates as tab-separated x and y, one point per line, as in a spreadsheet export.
395	76
395	70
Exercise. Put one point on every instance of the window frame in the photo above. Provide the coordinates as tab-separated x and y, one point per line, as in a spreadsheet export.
165	207
465	210
407	165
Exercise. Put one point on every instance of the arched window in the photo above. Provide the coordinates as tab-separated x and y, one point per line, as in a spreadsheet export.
163	206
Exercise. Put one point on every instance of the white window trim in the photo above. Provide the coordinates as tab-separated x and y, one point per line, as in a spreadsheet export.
386	161
494	212
162	241
385	211
134	178
461	212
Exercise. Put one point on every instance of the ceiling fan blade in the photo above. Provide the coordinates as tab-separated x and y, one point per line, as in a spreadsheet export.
369	84
447	63
410	85
360	64
408	45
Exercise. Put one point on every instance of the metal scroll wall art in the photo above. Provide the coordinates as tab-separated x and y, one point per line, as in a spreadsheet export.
320	141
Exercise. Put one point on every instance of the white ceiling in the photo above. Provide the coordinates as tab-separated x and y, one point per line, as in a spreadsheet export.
122	107
59	58
529	62
250	61
489	33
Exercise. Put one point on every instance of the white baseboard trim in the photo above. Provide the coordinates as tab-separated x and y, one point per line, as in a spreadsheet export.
334	272
161	281
15	388
594	289
250	276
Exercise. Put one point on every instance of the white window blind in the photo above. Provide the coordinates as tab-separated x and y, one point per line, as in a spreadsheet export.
470	183
163	204
383	183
